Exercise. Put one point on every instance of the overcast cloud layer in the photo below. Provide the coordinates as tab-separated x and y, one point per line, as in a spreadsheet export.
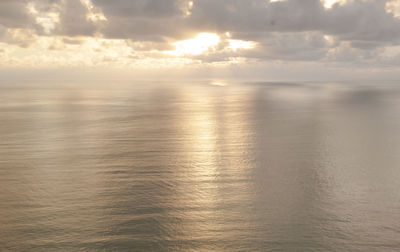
353	32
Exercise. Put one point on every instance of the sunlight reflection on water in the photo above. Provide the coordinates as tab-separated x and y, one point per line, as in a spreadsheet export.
199	167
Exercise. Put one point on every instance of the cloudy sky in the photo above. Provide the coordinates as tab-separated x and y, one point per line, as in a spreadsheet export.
266	38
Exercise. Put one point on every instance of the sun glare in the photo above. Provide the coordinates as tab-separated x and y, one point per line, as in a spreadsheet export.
329	3
198	45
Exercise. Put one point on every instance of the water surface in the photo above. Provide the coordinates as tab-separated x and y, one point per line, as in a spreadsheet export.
144	166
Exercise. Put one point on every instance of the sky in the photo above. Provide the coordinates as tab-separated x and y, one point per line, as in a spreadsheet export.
264	39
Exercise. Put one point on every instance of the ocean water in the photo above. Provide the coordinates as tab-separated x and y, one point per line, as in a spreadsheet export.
199	166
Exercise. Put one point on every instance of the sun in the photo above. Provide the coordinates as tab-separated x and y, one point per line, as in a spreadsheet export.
197	45
329	3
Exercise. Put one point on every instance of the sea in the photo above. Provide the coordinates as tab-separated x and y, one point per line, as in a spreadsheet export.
204	165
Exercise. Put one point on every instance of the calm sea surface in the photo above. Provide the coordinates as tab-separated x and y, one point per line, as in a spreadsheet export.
146	166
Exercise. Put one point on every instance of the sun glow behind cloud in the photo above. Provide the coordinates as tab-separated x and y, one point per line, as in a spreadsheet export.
329	3
208	42
196	46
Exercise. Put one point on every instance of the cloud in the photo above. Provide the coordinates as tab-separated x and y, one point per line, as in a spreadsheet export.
353	31
13	14
359	20
63	17
74	21
365	23
20	37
